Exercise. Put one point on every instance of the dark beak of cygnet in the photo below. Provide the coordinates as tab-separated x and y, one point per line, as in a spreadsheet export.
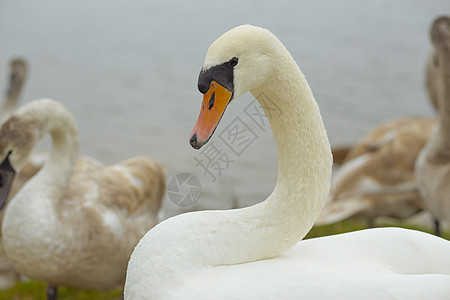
7	174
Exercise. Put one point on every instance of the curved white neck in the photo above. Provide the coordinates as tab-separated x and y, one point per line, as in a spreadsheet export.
49	184
303	152
209	238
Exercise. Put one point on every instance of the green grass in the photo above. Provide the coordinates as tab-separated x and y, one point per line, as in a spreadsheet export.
352	225
32	290
36	290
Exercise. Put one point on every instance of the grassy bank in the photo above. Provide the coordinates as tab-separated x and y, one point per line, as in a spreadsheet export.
36	291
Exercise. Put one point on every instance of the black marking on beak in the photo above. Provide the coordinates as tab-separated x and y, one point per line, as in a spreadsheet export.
211	101
7	174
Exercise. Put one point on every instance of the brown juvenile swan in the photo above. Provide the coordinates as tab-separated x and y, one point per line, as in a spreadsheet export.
76	222
433	163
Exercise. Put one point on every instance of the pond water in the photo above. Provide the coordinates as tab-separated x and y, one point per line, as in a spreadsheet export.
128	71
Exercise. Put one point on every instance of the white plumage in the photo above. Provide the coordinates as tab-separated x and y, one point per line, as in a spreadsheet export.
257	252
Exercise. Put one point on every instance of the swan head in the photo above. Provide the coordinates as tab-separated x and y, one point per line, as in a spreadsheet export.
439	60
238	61
440	34
16	143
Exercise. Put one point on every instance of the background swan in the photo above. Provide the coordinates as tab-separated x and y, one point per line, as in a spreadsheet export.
18	70
432	74
341	154
244	253
377	177
76	222
433	163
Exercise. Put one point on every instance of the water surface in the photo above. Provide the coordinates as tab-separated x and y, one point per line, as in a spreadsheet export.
128	71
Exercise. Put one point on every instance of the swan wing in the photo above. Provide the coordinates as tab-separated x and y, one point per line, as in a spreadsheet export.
361	263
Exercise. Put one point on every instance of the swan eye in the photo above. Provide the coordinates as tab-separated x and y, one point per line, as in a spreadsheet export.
234	61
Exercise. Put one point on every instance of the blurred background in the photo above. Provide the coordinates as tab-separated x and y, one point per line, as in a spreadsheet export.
128	72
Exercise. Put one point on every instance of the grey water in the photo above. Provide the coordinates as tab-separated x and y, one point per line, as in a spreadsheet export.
128	69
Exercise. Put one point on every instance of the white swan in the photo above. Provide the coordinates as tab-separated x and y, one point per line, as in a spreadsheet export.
76	222
433	163
254	252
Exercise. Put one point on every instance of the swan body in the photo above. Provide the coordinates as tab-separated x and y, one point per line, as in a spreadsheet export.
377	177
433	163
256	252
76	221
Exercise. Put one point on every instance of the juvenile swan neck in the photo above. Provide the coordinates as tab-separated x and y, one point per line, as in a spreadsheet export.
440	141
50	117
37	202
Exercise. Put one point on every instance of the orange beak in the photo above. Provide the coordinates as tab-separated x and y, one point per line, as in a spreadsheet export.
215	101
